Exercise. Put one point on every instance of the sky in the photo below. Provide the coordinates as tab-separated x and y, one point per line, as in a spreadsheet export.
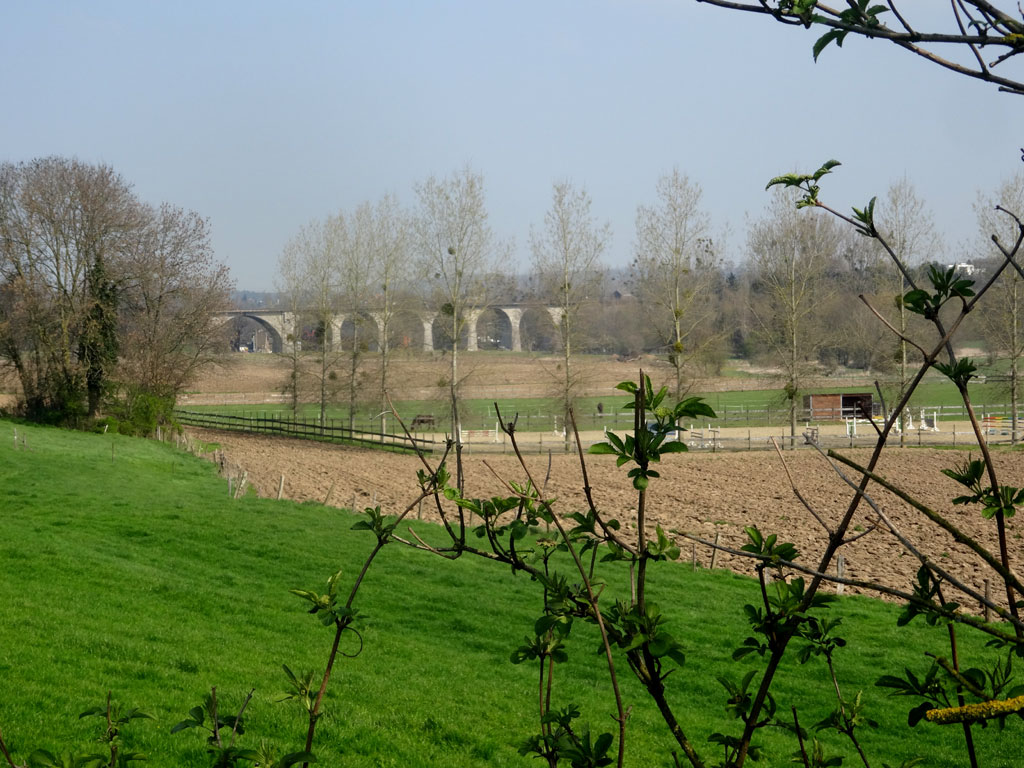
263	116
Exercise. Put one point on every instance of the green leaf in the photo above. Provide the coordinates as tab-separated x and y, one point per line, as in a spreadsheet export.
788	180
673	447
693	407
822	42
917	713
826	168
42	758
866	217
297	757
602	448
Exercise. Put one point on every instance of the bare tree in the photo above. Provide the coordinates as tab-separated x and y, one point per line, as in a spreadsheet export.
567	261
344	273
1002	316
791	254
312	259
354	280
674	268
97	290
322	246
386	229
171	288
290	285
906	225
62	225
457	247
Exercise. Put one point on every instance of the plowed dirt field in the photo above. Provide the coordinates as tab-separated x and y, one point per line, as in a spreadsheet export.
699	493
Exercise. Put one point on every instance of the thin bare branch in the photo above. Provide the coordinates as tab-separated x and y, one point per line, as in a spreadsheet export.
426	547
796	491
238	717
869	586
899	16
592	597
908	545
6	754
891	327
957	535
956	6
1004	29
587	492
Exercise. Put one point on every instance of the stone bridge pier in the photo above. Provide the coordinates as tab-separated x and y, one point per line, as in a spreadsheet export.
281	326
515	320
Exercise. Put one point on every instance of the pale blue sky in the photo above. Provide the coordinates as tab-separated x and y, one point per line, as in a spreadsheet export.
262	116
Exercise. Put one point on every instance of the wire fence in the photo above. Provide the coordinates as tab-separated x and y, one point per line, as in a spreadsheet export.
303	428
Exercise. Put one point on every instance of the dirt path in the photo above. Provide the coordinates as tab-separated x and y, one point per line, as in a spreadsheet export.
699	493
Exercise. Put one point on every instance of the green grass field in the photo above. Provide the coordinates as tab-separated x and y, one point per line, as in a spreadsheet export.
124	566
739	408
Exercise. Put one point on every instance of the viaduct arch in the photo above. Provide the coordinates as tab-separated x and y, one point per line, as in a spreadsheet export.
280	325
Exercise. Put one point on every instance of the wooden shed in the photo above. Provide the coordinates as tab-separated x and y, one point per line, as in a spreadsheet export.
837	405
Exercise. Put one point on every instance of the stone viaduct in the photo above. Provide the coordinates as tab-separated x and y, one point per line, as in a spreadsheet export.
280	324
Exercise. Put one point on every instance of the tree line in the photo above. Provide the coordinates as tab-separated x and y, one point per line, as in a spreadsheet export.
783	298
106	302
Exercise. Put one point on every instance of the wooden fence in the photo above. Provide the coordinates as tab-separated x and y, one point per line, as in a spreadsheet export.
306	429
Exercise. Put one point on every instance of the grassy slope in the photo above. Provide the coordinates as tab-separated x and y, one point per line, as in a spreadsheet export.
137	574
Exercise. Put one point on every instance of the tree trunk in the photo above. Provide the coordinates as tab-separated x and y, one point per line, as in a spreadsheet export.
903	355
353	379
323	377
1014	357
794	388
453	392
566	328
384	349
677	346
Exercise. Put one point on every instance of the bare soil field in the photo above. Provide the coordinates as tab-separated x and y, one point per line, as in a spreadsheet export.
245	378
699	493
